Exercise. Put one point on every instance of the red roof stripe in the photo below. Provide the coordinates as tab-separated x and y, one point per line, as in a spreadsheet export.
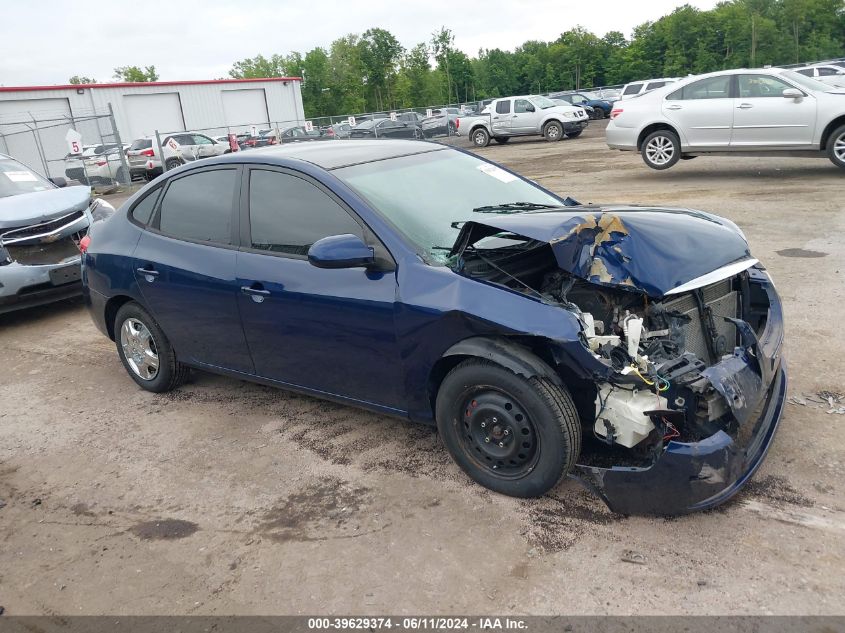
145	83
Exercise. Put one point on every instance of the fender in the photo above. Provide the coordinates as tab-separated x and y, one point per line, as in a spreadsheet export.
509	354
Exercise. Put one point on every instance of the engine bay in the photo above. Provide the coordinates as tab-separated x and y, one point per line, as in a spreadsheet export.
654	350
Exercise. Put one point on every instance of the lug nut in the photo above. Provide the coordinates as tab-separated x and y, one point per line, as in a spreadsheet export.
501	444
483	424
487	439
495	420
507	432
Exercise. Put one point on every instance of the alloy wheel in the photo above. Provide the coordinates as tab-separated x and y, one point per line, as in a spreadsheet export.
139	349
660	150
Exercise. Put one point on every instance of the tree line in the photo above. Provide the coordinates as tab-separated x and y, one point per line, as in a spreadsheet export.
373	71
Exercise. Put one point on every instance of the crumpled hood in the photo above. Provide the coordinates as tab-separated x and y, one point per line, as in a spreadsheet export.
649	249
41	206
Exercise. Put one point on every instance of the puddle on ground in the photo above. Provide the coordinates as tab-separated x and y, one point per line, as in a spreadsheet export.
800	252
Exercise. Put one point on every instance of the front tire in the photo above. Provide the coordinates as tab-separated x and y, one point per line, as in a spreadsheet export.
513	435
145	352
661	149
836	147
574	134
480	137
501	140
553	131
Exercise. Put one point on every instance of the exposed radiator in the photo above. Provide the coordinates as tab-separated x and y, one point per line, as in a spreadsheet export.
723	302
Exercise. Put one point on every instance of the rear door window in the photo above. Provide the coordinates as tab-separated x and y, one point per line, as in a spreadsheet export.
633	89
710	88
142	212
198	207
503	107
287	214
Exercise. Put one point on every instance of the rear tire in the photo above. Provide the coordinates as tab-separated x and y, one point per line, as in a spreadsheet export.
480	137
514	435
173	163
145	352
836	147
661	149
553	131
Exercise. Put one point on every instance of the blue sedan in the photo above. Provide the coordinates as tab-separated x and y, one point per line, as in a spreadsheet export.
637	350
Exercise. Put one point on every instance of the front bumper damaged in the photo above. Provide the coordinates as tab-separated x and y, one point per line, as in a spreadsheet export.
691	476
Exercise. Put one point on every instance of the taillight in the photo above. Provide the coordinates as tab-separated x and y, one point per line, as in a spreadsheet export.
101	163
615	112
272	141
330	132
84	243
148	152
457	124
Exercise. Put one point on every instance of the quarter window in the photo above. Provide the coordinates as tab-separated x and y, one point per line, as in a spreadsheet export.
710	88
503	107
756	86
143	210
199	207
287	214
633	89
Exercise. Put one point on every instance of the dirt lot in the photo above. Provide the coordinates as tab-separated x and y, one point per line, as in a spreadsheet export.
226	497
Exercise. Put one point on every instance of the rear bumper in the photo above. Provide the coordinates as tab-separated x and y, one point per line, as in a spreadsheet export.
624	138
687	477
96	304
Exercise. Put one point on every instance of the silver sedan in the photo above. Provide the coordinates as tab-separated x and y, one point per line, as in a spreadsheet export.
735	111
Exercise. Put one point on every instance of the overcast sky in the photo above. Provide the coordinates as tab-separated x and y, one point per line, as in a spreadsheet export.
48	41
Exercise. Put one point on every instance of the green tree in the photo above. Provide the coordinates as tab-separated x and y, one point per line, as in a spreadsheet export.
259	67
78	79
380	56
135	74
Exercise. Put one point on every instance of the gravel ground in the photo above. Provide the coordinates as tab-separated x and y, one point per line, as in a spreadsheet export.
225	497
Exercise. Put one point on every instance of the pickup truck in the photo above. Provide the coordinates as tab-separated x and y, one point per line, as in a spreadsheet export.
523	116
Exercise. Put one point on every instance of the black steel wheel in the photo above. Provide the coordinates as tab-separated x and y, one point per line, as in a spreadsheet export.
512	434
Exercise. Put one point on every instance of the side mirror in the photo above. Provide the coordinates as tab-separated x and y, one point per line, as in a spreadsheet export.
792	93
341	251
58	181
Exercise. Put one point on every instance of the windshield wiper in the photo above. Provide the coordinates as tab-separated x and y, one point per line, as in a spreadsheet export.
513	207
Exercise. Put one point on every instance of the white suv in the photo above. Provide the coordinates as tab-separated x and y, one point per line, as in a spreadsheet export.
178	148
828	74
732	111
641	87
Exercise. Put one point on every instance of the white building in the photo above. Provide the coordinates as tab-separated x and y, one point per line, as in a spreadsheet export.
215	107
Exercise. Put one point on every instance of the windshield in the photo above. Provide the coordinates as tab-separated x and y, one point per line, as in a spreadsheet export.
807	82
543	102
425	195
16	179
365	125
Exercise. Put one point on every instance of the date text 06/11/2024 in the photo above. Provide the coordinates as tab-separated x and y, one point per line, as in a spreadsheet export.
418	623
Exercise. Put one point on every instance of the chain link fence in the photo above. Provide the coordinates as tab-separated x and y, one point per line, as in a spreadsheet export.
83	148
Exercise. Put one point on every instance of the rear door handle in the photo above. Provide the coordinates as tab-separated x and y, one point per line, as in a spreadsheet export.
744	106
149	273
256	292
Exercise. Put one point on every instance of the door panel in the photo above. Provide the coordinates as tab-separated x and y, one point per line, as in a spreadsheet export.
523	121
764	118
190	290
703	112
185	269
330	330
501	117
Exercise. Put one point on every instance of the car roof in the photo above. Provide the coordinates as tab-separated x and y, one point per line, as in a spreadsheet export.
333	155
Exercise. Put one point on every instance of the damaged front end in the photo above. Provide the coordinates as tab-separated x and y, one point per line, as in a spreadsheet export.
677	372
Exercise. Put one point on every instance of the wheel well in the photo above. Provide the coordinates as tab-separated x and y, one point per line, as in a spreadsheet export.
478	126
653	128
828	130
527	357
112	306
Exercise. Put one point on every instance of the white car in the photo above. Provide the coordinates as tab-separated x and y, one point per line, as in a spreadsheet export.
178	148
74	167
107	168
732	111
641	87
828	74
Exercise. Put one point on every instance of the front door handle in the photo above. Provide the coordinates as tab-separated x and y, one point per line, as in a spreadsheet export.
674	107
256	292
149	273
744	106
